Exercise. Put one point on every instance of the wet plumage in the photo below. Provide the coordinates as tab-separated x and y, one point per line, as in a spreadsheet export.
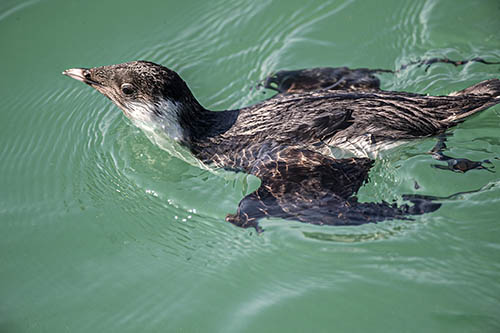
285	140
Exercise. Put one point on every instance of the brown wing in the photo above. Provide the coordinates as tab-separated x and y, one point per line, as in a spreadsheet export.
306	186
326	78
341	78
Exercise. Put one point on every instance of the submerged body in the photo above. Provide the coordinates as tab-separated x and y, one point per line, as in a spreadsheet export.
285	140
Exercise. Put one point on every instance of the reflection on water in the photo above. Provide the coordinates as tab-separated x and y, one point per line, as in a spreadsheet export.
103	231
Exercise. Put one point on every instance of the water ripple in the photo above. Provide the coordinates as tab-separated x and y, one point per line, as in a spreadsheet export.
98	215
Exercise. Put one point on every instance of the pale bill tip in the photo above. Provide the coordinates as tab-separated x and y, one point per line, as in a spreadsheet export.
75	73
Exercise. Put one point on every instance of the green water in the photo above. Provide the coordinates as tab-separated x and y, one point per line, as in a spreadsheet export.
101	231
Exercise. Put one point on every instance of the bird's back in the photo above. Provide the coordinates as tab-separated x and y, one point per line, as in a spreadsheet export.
357	120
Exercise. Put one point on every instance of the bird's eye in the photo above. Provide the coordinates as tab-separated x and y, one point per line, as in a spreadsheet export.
127	89
87	75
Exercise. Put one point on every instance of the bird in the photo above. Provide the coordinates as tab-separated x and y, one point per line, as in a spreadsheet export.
285	140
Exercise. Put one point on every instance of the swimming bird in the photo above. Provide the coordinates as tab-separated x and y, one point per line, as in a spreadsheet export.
285	140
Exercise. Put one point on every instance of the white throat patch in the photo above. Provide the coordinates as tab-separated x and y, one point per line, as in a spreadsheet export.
143	115
162	129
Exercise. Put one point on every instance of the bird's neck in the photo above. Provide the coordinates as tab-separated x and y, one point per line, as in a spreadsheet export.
199	124
186	121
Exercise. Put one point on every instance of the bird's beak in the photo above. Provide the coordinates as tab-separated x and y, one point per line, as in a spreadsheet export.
81	74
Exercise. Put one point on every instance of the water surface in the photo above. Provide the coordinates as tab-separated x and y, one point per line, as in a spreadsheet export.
101	231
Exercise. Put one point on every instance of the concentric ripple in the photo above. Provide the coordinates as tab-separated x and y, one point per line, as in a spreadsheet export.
103	231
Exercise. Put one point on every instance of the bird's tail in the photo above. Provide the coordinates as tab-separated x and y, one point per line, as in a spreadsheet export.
489	88
479	97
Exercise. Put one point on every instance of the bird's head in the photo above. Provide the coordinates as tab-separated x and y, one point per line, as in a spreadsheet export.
149	94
